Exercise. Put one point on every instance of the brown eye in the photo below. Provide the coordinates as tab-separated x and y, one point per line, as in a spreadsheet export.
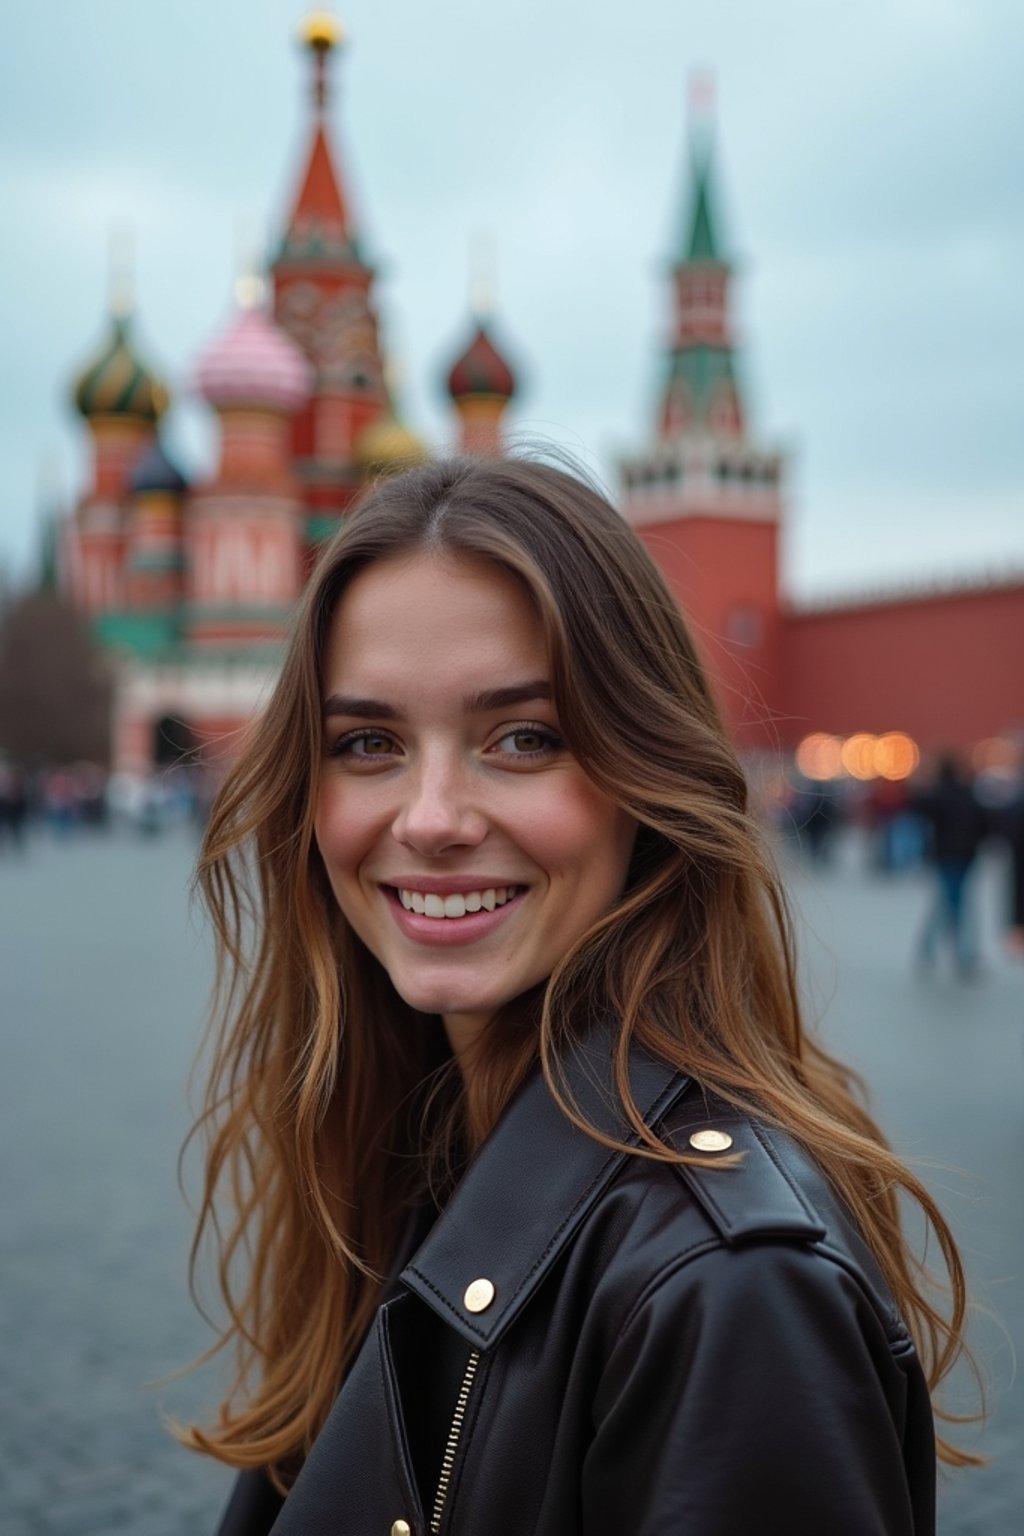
363	744
529	743
371	746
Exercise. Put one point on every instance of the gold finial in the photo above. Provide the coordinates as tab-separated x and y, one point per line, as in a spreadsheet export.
322	31
249	290
121	269
482	262
250	285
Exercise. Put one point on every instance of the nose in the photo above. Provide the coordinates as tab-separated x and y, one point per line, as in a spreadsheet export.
439	810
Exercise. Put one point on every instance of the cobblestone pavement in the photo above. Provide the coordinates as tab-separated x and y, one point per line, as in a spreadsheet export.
103	979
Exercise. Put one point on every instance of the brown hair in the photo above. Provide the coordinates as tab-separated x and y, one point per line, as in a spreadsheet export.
317	1124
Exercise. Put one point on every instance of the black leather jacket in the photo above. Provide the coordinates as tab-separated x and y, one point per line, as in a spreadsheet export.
667	1352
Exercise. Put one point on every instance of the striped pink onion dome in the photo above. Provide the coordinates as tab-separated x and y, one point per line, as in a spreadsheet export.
255	364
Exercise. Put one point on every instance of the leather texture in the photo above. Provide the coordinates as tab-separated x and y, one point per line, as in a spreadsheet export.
670	1351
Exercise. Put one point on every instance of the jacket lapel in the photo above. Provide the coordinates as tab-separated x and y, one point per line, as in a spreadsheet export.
529	1188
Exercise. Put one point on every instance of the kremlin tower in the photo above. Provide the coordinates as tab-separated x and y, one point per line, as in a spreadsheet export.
703	496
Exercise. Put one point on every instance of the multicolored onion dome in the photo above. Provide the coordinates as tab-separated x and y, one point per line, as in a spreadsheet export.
155	472
117	383
254	364
386	445
481	370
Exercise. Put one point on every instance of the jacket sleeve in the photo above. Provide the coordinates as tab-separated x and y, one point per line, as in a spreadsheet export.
756	1388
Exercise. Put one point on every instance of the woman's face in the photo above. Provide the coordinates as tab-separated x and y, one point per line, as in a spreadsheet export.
463	842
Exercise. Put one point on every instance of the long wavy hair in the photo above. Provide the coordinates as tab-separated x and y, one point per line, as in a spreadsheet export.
331	1104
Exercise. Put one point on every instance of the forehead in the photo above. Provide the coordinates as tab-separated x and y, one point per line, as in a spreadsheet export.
424	620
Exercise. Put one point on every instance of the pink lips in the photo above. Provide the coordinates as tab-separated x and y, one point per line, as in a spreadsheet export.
448	930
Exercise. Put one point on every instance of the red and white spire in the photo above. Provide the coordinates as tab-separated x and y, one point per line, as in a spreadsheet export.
323	300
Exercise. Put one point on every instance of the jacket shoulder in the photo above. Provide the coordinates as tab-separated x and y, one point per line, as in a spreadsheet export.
758	1185
751	1184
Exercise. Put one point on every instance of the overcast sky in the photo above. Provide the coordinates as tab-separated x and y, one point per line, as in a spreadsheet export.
870	169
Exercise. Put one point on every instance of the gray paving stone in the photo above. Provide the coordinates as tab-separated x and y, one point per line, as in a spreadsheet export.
104	980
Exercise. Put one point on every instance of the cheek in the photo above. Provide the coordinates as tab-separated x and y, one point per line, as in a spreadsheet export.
584	835
338	832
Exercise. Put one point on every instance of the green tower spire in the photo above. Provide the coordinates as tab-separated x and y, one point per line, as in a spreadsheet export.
699	243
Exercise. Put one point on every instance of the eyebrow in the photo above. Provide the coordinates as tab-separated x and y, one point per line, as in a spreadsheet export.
358	708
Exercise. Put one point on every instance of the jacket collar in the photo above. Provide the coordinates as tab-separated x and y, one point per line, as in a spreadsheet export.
530	1186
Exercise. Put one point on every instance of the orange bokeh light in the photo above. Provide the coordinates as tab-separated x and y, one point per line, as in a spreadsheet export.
858	755
818	756
896	755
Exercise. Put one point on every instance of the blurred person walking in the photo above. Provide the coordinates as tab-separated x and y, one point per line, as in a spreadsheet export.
958	824
13	805
1014	830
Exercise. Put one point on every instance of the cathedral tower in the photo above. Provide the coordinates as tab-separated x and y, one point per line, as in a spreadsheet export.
121	402
323	298
481	385
244	528
480	382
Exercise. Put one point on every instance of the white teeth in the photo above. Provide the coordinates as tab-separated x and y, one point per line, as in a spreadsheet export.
456	905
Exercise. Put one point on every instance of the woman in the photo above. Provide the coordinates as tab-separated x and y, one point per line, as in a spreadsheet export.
554	1220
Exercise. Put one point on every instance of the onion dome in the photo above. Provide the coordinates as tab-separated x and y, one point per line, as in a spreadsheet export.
254	364
386	445
481	371
155	472
117	383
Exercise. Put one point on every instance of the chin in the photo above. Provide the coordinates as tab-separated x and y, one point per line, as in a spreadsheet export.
446	1001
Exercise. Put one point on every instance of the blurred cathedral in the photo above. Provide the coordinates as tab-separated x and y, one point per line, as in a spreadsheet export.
190	587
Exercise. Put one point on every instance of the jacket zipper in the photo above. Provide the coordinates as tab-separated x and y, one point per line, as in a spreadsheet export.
452	1444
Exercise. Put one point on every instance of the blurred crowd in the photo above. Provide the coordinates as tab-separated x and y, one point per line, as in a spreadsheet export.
78	797
942	819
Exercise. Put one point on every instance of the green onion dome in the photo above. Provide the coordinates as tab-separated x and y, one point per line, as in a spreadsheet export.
117	383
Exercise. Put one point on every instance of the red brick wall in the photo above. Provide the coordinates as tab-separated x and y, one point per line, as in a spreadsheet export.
948	669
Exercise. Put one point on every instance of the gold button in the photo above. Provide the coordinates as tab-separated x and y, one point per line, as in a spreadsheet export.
478	1296
711	1141
401	1528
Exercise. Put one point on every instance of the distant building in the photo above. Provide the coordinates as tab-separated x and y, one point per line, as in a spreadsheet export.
191	586
943	667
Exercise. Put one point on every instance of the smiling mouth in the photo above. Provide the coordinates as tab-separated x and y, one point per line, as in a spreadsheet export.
460	904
